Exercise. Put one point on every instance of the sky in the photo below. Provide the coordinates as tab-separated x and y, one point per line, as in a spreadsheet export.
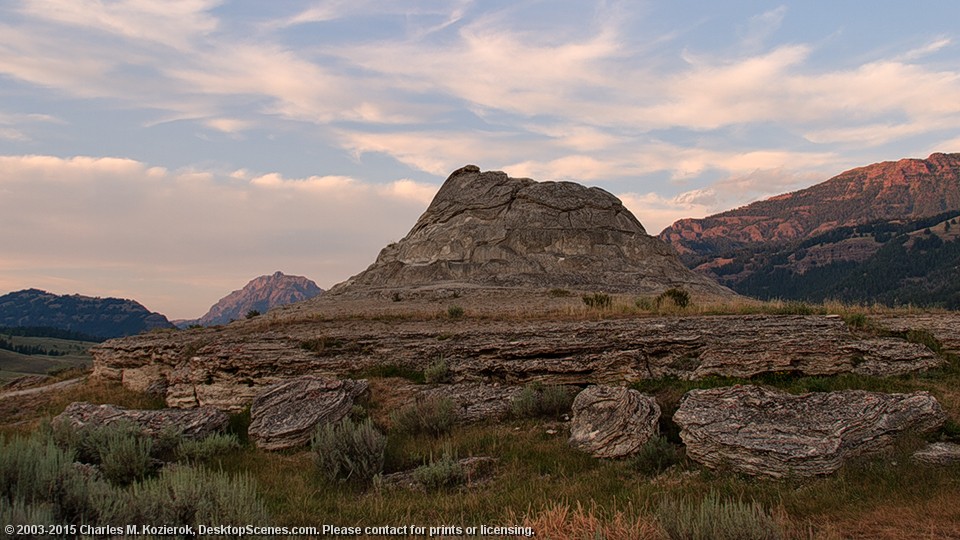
170	151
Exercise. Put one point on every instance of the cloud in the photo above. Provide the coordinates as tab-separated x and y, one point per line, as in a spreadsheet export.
760	27
122	226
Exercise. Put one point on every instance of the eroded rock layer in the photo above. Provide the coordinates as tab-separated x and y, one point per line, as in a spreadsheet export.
228	368
758	431
487	229
612	421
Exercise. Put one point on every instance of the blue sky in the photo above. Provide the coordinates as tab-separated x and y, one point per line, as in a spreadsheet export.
170	151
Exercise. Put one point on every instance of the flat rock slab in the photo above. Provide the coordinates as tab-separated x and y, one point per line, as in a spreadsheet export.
191	423
475	402
612	421
759	431
941	453
285	414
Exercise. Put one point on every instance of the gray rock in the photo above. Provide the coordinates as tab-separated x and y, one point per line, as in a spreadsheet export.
191	423
612	421
758	431
475	402
285	415
228	368
487	229
941	453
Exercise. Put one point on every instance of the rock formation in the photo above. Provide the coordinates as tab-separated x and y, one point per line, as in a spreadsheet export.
487	229
475	402
758	431
194	423
228	368
285	415
940	453
260	294
612	421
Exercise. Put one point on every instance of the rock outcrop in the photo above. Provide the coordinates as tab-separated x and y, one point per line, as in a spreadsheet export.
475	402
194	423
758	431
487	229
228	368
285	415
940	453
260	294
612	421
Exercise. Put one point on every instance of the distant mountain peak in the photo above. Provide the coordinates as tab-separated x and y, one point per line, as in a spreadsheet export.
261	294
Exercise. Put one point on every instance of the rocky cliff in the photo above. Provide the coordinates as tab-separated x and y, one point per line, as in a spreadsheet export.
97	317
488	229
260	294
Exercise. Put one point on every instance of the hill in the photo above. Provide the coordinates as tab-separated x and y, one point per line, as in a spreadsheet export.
96	317
260	294
882	233
486	229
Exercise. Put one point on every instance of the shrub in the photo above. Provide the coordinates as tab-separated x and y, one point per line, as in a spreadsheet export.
537	400
184	495
597	300
252	313
437	372
432	415
349	452
207	448
455	312
126	458
441	473
654	457
559	293
679	297
715	519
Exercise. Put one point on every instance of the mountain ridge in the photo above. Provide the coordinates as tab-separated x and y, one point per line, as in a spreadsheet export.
95	316
260	294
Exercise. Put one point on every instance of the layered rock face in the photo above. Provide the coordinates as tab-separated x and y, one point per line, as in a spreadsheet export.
758	431
194	423
487	229
227	369
613	422
285	414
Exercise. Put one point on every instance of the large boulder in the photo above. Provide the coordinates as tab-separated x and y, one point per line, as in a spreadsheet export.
612	421
759	431
487	229
285	414
191	423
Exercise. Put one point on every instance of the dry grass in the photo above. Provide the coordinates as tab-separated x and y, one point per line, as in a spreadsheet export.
24	413
562	521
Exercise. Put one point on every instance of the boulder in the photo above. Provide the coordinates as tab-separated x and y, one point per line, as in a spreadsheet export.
285	414
759	431
941	453
612	421
191	423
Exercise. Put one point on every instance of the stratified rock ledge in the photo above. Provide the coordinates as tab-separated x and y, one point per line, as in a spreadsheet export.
191	423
